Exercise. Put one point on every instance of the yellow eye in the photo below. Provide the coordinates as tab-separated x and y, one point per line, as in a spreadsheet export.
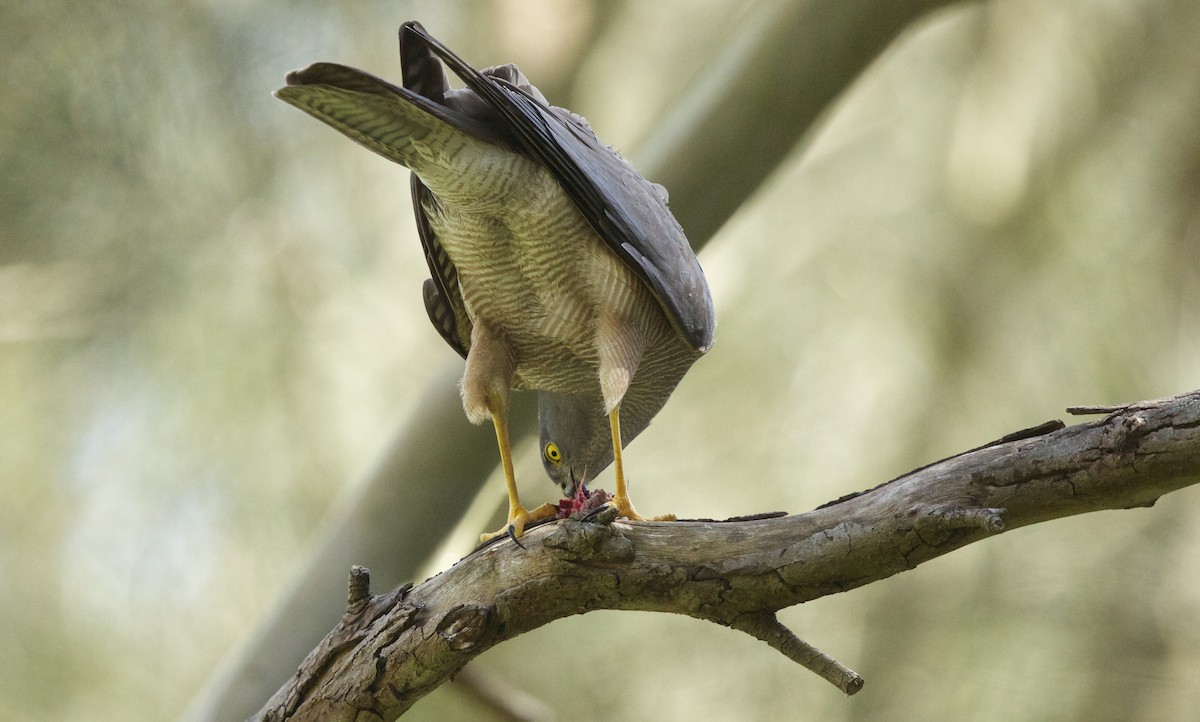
552	454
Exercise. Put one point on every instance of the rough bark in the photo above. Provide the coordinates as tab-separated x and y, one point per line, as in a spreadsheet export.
390	650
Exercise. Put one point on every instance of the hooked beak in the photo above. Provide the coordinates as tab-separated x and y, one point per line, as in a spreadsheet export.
573	485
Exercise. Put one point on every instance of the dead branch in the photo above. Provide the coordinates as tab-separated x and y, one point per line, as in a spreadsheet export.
390	650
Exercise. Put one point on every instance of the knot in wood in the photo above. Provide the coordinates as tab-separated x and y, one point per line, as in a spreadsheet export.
466	626
937	525
1122	432
951	517
586	541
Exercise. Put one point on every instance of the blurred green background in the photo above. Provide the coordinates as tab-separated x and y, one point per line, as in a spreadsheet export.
211	330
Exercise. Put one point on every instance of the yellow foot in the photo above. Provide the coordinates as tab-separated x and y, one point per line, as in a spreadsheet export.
518	518
625	507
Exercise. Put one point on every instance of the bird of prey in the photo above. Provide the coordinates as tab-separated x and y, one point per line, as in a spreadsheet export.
555	266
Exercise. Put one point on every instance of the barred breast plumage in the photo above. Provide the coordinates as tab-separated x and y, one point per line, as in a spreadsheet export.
555	266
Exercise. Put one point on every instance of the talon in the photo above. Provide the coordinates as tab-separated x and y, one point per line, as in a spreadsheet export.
512	534
592	514
518	519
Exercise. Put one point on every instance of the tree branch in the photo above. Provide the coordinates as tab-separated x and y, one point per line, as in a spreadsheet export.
390	650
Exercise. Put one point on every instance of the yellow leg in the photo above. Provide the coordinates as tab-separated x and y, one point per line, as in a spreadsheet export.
621	498
518	516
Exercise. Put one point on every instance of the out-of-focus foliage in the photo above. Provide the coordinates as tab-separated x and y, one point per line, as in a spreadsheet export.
210	324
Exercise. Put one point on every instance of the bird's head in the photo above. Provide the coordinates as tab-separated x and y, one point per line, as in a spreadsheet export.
575	439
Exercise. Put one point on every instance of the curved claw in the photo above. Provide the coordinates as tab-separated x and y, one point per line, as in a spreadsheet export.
518	519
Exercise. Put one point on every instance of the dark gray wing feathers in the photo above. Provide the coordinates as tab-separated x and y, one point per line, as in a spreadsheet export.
443	299
624	209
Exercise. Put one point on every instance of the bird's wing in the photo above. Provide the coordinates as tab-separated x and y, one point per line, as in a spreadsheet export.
384	118
628	212
441	292
423	75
